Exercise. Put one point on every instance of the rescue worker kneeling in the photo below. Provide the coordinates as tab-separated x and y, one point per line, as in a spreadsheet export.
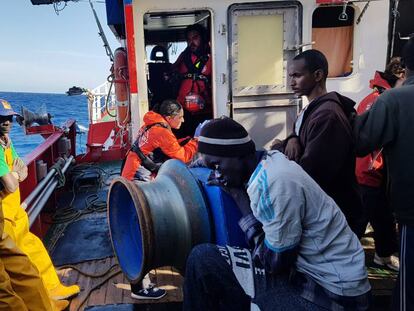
156	138
156	142
12	171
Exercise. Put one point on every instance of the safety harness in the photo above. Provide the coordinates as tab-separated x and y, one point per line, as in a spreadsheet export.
195	101
154	163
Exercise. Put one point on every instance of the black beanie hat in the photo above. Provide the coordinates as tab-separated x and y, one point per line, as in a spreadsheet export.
225	137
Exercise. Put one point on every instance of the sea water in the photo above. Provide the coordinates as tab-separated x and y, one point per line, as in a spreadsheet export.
60	106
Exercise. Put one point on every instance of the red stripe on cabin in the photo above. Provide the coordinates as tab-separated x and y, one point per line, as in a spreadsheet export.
130	35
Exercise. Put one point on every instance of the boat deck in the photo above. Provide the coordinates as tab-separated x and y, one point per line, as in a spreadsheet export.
112	288
103	284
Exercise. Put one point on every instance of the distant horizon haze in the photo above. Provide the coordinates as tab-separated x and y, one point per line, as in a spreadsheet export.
43	52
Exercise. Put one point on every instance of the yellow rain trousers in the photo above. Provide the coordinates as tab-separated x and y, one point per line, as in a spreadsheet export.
17	227
21	287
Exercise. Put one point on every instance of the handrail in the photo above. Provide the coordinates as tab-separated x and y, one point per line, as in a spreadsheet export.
97	99
41	184
46	189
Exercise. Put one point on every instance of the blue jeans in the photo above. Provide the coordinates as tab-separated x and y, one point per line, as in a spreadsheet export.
210	284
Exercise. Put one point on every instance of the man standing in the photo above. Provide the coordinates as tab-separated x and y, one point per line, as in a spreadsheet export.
305	256
13	171
322	142
389	125
371	176
194	68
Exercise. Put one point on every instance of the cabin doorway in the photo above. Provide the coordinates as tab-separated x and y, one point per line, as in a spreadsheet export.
179	64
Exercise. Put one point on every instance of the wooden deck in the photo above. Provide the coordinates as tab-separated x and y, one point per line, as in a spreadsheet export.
110	290
103	285
107	290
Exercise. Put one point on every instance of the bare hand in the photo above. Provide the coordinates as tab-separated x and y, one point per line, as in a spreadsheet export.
293	149
20	168
277	144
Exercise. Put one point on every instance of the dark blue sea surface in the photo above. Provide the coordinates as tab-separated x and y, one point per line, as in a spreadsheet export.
60	106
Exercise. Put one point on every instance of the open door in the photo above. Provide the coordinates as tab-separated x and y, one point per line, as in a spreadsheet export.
263	40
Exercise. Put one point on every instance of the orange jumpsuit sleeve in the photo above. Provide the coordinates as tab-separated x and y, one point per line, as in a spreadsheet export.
171	147
132	164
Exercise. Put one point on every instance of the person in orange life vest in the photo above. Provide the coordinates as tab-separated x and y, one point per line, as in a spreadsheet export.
156	139
369	171
12	171
194	67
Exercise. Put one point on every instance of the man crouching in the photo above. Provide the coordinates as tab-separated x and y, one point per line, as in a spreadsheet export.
304	255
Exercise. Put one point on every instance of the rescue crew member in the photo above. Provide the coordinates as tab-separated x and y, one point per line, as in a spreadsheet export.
21	287
371	176
12	171
322	142
194	68
156	138
389	125
157	142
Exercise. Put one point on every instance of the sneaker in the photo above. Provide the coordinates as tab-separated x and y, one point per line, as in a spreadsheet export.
392	262
151	292
64	292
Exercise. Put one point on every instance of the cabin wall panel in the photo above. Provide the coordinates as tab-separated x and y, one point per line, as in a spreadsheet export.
370	47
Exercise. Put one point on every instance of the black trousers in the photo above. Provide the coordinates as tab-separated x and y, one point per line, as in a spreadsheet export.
377	212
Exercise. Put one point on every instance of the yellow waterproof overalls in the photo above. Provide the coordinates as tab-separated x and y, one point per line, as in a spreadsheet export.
17	227
21	287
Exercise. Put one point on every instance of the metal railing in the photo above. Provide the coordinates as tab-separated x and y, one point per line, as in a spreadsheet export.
97	99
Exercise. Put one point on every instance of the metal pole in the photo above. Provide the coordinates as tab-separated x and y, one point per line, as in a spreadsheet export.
40	186
44	196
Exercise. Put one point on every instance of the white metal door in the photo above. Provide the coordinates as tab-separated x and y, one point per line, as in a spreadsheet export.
263	39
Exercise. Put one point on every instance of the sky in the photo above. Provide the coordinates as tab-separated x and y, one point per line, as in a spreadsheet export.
43	52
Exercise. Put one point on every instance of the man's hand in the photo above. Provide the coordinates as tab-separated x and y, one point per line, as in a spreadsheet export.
277	144
20	168
293	149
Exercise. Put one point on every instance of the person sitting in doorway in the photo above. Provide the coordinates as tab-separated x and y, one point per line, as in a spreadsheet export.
156	138
194	69
13	171
304	255
371	176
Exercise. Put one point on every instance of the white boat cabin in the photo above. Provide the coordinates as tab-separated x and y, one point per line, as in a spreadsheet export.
252	43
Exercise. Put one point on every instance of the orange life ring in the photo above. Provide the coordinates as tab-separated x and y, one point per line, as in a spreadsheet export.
121	86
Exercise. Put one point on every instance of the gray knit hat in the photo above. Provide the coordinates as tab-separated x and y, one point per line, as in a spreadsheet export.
225	137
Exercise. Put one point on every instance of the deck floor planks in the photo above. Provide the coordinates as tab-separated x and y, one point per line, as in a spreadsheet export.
113	295
97	297
109	294
85	283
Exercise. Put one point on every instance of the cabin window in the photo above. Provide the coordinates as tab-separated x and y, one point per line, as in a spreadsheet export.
333	35
260	57
179	62
261	47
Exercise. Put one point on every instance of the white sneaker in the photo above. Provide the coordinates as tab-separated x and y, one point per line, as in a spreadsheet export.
392	262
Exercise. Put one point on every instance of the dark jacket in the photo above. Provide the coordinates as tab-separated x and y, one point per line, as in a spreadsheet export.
328	152
389	124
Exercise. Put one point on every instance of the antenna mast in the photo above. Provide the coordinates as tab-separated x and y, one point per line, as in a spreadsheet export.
102	34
